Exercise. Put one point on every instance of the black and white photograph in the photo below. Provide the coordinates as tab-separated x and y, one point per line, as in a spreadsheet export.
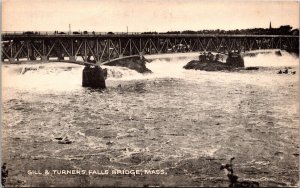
150	93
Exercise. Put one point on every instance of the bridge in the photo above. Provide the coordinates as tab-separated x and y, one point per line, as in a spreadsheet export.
102	47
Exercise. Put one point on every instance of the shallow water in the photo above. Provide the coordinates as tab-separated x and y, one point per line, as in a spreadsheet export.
184	122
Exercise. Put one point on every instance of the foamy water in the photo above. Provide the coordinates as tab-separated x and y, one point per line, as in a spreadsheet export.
271	60
174	119
67	77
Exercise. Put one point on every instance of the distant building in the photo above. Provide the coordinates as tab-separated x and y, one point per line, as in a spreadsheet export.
270	27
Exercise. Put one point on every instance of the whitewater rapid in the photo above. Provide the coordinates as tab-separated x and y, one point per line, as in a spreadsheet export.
66	77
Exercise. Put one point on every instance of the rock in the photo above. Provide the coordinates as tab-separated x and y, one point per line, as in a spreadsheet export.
210	63
26	69
235	60
278	53
207	66
94	77
135	63
192	64
65	141
251	68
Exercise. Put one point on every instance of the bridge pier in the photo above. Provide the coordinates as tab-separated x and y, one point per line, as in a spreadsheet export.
94	77
12	60
72	58
44	59
32	58
60	58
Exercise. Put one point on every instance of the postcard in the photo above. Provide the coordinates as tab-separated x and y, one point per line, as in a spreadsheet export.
150	93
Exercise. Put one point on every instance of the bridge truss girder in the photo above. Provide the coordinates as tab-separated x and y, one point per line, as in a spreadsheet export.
100	49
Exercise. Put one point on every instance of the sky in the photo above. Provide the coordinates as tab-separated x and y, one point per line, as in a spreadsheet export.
146	15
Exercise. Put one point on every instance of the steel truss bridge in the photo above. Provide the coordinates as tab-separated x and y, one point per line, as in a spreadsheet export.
99	48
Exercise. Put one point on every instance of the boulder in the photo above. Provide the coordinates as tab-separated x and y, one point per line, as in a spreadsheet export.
278	53
235	60
135	63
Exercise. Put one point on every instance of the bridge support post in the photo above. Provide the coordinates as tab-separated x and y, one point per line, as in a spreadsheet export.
141	55
32	58
94	77
44	59
12	60
99	62
72	58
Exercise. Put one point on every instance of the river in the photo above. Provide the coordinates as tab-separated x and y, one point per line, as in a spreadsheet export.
182	123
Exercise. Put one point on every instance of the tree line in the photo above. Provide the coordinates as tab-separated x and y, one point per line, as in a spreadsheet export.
282	30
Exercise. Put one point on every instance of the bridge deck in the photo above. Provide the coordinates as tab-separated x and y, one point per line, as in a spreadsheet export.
133	35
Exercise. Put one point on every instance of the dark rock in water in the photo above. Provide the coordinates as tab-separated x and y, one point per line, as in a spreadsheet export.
285	71
210	63
278	53
4	174
94	77
207	66
26	69
251	68
235	60
135	63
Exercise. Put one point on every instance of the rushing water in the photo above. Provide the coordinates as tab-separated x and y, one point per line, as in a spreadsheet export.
184	122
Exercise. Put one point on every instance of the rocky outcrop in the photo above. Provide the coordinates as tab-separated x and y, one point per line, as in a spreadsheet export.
209	62
207	66
235	60
136	63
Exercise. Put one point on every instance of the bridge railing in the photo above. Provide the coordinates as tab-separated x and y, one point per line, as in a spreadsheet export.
80	33
59	33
